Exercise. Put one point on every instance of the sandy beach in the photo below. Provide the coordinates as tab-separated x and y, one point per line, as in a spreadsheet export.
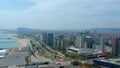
21	41
21	44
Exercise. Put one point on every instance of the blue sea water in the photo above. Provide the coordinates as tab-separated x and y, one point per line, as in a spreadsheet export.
6	40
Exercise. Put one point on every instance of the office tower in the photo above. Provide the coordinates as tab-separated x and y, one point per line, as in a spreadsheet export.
116	46
98	43
61	45
89	42
61	37
40	37
44	38
96	40
102	43
55	42
79	42
65	43
50	39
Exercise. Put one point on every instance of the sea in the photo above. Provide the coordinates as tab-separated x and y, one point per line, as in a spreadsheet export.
6	40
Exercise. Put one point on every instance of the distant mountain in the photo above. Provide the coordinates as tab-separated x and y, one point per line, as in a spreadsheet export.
22	29
105	30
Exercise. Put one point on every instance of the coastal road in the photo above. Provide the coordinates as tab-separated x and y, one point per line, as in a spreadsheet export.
46	48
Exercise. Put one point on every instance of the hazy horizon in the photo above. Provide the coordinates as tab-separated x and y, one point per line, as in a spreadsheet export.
59	14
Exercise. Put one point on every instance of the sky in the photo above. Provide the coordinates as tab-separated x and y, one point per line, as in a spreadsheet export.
59	14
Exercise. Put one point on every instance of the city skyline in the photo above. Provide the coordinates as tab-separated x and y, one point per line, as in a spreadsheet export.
59	14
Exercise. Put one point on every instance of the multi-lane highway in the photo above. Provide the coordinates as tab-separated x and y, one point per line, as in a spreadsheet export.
43	49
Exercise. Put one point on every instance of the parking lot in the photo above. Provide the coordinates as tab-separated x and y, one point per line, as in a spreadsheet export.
17	58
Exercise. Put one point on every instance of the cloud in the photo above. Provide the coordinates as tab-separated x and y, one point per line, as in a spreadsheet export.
15	5
52	14
69	7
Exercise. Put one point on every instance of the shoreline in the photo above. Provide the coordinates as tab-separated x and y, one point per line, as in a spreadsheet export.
21	42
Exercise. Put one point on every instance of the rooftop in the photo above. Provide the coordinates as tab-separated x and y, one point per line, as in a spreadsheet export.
2	51
81	49
113	61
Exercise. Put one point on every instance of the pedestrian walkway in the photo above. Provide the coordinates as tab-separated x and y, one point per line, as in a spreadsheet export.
16	67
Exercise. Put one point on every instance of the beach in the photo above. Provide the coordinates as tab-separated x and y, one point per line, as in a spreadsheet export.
21	41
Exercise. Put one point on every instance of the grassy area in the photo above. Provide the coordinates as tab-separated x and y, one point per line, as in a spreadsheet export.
27	60
84	65
111	57
74	56
67	59
47	56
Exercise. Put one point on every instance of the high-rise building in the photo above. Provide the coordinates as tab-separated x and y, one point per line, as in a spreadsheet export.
44	38
55	41
50	39
40	37
61	45
99	43
79	42
116	46
65	43
102	43
89	42
61	37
